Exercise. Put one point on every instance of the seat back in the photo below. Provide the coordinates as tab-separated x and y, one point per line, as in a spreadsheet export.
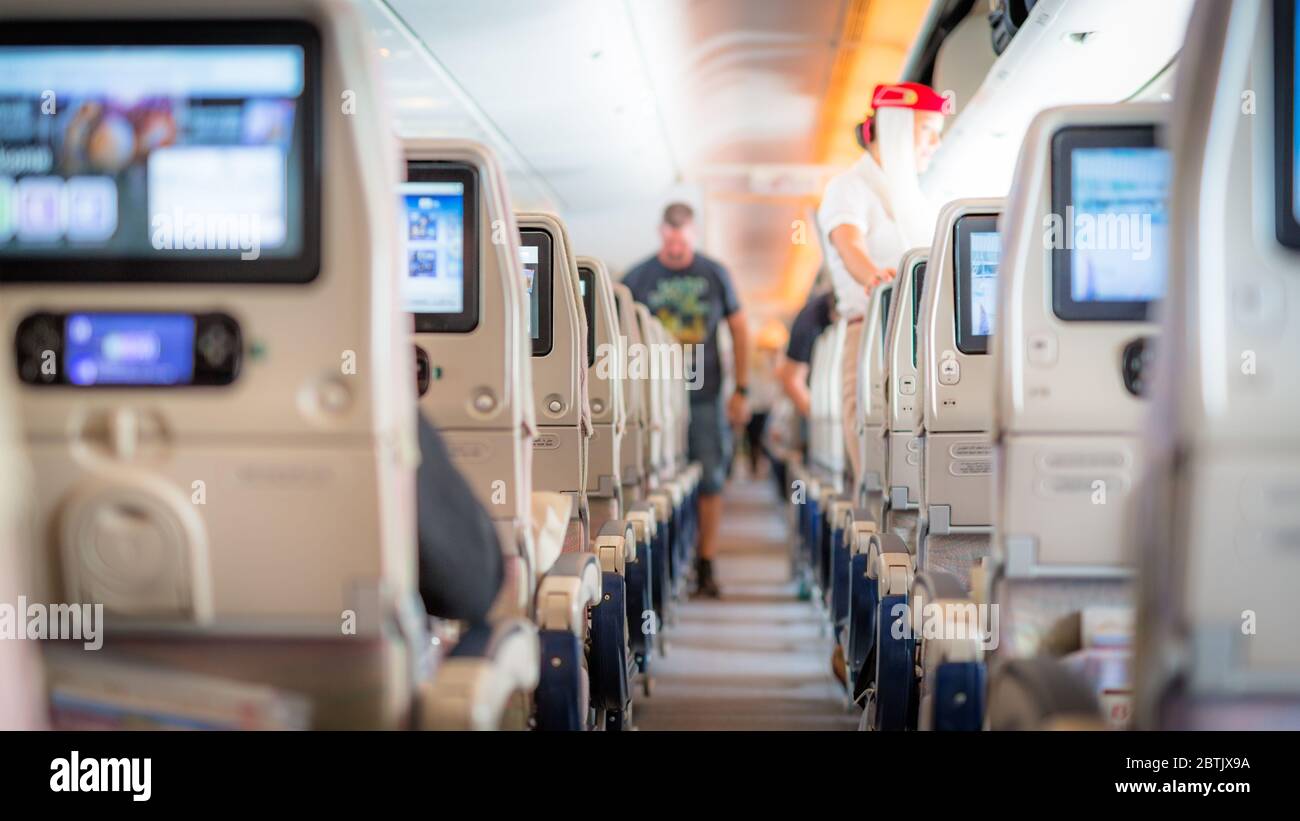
604	393
818	401
634	455
904	387
1073	325
673	375
958	304
558	327
473	356
655	448
217	403
836	461
1218	519
872	409
21	704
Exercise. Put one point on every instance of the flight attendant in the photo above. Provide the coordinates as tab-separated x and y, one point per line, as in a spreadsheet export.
874	211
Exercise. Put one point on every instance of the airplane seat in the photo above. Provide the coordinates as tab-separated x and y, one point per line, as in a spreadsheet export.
884	681
1038	693
633	457
955	415
949	695
474	377
229	474
687	472
871	415
605	487
659	495
635	469
817	472
679	471
558	326
22	705
834	501
668	391
814	468
957	323
902	490
675	431
863	601
1074	338
1216	532
864	501
471	695
562	348
473	366
604	389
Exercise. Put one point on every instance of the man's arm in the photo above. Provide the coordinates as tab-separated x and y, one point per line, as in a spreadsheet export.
852	248
740	347
738	407
794	380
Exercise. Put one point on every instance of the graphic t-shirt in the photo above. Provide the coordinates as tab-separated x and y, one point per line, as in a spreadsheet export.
689	302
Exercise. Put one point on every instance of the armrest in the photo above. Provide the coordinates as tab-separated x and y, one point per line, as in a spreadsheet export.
549	524
474	685
675	490
889	563
663	505
571	586
615	545
940	596
644	523
841	512
861	527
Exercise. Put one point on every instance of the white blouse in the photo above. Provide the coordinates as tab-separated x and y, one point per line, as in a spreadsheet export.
859	196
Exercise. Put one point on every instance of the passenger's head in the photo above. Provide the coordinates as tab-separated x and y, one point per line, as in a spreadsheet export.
905	135
908	119
677	235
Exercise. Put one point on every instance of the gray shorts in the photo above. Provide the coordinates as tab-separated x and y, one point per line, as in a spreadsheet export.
710	441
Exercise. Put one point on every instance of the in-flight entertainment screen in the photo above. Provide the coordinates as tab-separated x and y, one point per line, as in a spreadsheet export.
439	238
976	292
535	257
918	284
1110	238
1286	129
140	154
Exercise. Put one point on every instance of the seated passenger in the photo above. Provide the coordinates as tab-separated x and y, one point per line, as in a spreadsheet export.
460	565
815	317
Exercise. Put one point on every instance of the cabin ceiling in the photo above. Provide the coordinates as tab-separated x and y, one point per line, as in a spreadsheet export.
603	110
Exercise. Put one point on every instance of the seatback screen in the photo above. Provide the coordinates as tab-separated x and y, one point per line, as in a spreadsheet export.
918	284
886	297
1286	129
978	252
151	152
1109	226
587	284
535	258
438	226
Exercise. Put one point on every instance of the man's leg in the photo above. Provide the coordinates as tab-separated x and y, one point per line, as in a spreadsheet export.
710	517
708	446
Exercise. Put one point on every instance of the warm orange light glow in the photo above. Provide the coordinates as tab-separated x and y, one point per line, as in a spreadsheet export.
772	336
873	44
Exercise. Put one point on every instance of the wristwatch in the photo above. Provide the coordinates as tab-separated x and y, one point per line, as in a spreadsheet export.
742	390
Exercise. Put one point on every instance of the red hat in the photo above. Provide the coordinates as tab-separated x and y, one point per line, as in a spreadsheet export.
916	96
